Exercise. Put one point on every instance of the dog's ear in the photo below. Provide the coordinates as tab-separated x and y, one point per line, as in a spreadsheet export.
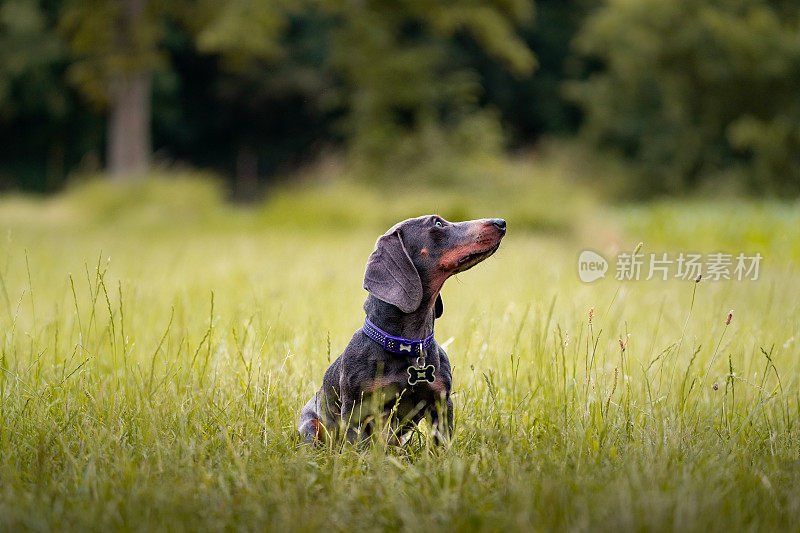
391	276
438	307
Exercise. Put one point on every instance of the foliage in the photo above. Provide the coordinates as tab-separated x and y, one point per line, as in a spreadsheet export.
243	31
695	94
535	106
44	129
405	96
284	80
156	345
692	90
106	42
27	53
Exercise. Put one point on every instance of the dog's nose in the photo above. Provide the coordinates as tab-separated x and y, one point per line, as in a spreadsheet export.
500	223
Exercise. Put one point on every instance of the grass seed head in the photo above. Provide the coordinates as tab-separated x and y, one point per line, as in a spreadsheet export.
624	344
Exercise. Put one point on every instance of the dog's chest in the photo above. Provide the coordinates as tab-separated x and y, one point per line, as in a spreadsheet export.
393	390
401	385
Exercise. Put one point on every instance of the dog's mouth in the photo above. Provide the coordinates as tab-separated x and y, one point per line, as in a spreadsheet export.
475	257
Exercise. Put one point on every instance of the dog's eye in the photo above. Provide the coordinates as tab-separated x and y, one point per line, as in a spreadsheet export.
438	224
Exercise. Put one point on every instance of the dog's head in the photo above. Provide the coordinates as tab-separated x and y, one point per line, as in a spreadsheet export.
413	259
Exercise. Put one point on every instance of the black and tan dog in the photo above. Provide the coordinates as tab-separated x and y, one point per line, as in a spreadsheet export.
392	366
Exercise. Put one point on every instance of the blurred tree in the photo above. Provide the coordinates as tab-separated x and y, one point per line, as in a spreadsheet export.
696	89
118	46
44	132
241	31
407	101
262	116
115	43
533	106
28	51
246	39
28	84
383	72
251	86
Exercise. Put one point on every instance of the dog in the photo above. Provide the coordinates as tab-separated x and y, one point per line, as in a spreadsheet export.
393	372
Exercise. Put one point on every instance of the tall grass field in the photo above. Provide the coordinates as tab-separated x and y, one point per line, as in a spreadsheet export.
157	344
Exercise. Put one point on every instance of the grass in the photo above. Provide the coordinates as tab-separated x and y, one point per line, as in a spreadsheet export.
156	345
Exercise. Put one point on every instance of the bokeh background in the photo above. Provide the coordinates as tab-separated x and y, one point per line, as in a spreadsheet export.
685	96
189	191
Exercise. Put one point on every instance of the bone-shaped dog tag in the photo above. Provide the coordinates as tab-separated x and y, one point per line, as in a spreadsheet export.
416	375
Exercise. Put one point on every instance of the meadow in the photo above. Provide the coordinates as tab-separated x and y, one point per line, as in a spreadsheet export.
157	343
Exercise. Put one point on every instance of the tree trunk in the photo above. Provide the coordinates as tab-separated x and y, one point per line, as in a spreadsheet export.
129	143
245	187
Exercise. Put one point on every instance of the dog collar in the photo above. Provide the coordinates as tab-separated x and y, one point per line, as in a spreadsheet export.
398	345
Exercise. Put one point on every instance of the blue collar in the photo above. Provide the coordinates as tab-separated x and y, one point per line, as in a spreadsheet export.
398	345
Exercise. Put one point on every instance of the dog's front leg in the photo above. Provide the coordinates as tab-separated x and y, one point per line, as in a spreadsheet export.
442	421
350	423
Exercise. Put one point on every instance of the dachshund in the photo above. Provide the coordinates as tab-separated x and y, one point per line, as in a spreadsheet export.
393	369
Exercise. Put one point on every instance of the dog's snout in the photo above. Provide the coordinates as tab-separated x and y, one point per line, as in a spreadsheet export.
499	223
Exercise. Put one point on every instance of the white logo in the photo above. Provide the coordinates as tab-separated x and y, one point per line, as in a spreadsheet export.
591	266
